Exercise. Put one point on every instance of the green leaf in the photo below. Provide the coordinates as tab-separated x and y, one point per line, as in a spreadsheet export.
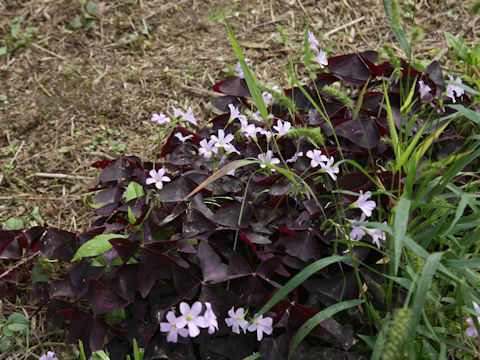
131	217
92	8
299	279
13	224
133	191
310	324
38	275
402	213
20	328
17	318
423	286
77	22
97	246
459	45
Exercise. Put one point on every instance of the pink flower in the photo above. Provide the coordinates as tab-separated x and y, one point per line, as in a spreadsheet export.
182	138
312	41
192	318
378	236
207	148
236	320
222	141
239	70
357	232
211	317
161	119
268	159
188	116
424	91
472	331
317	157
262	325
321	58
327	167
282	128
48	356
364	205
453	89
174	326
295	157
157	178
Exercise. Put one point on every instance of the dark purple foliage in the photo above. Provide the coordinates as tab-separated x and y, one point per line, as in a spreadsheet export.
239	239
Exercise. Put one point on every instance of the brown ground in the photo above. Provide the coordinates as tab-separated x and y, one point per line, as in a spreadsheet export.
68	90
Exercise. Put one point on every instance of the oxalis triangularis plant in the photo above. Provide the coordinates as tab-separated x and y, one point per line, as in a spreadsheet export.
265	230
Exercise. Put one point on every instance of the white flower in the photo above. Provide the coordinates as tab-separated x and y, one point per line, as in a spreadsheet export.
192	318
222	141
321	58
188	116
364	205
207	148
262	325
327	167
268	159
295	157
161	119
182	138
424	91
312	41
282	128
157	178
357	232
174	326
317	157
237	320
453	89
211	317
472	331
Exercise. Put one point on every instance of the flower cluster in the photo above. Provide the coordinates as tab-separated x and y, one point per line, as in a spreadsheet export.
325	163
367	207
321	57
190	321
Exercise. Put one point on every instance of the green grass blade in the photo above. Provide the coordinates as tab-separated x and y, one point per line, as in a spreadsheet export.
310	324
429	270
469	114
381	338
459	45
397	30
402	213
254	356
391	123
299	279
249	78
